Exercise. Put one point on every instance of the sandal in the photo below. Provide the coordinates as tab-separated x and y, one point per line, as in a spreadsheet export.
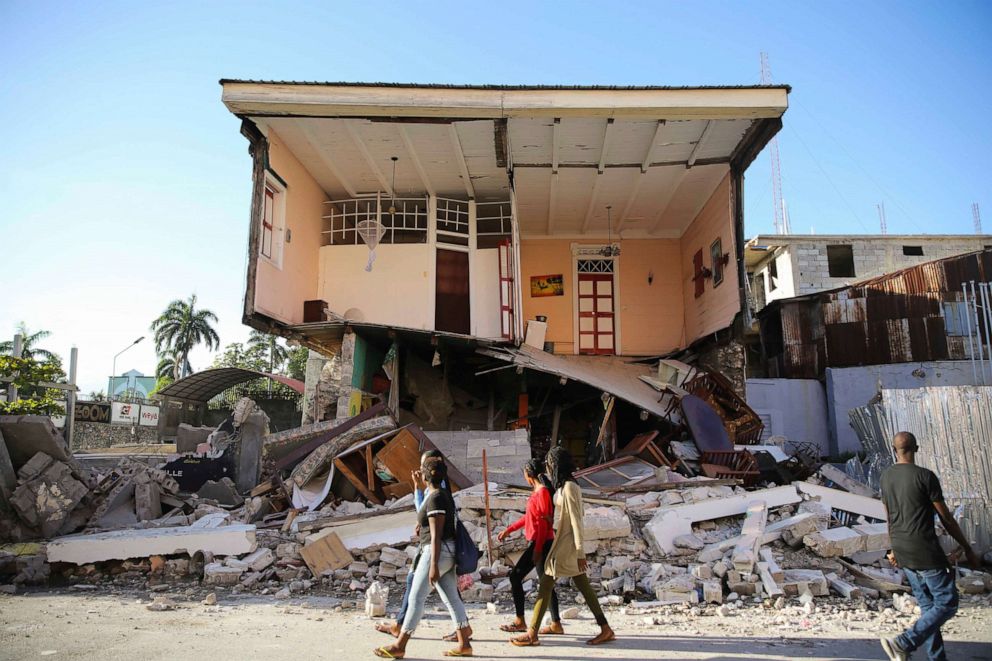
384	653
457	652
603	637
513	628
553	629
525	641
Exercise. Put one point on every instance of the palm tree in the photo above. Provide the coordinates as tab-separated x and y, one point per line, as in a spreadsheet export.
277	353
29	349
179	329
168	367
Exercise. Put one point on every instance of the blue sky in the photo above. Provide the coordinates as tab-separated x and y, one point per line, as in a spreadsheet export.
126	182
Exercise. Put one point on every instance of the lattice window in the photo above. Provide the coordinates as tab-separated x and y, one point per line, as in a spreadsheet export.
452	221
493	222
595	266
407	225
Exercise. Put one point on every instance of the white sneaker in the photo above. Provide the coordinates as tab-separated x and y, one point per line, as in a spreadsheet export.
892	648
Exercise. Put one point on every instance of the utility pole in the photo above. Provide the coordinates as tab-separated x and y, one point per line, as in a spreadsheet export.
977	217
18	349
781	226
70	413
881	218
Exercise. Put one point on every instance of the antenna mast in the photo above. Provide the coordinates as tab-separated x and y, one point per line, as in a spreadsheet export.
881	218
781	225
977	216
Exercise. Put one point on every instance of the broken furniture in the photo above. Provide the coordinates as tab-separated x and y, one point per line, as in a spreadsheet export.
621	472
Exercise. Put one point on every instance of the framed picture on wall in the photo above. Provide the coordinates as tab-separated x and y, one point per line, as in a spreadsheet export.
547	285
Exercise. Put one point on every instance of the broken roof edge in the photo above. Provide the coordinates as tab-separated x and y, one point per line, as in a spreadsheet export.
288	99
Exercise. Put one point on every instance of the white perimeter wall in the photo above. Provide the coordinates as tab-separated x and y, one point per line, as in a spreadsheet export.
399	290
851	387
794	408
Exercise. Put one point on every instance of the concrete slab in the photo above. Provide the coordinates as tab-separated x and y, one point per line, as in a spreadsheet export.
671	522
124	544
8	478
835	542
387	529
876	536
26	435
841	500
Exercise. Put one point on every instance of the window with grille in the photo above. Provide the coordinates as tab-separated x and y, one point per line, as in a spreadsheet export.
595	266
493	222
452	221
407	223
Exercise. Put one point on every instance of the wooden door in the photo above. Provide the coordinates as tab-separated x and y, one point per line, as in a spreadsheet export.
452	312
596	314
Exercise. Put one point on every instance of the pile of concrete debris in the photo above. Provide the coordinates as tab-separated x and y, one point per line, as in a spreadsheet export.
331	511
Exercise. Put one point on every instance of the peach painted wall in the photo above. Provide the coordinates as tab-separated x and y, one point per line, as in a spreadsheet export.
716	307
650	315
280	292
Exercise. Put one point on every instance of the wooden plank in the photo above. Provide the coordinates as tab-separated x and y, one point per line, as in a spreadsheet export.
456	478
606	420
844	481
357	481
325	554
400	456
867	581
746	551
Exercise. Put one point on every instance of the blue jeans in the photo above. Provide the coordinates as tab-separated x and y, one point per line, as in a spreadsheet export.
447	588
937	595
400	616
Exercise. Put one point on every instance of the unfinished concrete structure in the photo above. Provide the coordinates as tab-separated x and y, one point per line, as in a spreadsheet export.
783	266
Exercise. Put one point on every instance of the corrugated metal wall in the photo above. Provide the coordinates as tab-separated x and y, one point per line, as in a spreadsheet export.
895	318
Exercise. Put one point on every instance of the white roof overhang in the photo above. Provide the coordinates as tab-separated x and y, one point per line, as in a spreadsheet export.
654	155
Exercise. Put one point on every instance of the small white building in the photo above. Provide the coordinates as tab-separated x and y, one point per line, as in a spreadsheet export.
786	265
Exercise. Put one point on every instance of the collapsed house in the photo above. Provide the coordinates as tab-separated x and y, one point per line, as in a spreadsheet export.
490	272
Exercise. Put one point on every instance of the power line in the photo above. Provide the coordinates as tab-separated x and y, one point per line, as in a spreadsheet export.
860	167
831	181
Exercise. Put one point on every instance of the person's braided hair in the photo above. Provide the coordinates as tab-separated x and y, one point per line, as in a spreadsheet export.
560	466
435	471
534	468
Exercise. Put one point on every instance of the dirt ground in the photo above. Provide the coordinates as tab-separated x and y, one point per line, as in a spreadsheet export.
98	624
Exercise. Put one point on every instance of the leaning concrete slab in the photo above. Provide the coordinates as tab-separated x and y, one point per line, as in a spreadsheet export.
387	529
671	522
835	542
124	544
26	435
746	551
8	478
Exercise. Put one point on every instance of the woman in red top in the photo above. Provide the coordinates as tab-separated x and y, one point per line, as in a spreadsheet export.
538	525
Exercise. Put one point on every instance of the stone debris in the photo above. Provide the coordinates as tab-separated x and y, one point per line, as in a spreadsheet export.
375	599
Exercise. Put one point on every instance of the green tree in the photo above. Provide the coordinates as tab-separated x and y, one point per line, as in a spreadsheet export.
25	374
96	396
168	366
276	352
296	366
29	346
180	328
237	354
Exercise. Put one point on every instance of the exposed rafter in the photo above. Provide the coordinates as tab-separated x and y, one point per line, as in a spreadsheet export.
552	202
625	212
357	139
456	143
680	177
322	154
607	136
555	143
703	137
593	199
412	153
654	141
